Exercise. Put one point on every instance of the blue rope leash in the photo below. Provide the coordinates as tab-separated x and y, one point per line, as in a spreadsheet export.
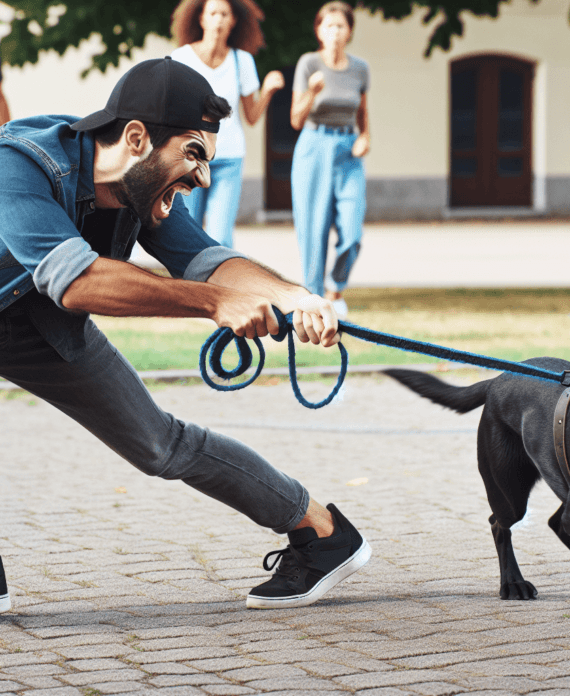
221	339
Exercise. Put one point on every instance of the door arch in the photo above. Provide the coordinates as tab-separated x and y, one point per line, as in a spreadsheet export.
280	139
491	131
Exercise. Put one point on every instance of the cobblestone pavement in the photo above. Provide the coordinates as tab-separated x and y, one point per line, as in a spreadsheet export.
125	584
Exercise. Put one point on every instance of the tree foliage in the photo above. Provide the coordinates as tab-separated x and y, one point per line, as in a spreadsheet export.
40	25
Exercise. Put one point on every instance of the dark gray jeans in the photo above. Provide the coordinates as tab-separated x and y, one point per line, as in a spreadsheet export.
103	393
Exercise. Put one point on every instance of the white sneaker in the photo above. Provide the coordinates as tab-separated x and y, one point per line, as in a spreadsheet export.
341	308
5	603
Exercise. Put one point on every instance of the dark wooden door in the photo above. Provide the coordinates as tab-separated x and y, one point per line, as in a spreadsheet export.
280	139
491	130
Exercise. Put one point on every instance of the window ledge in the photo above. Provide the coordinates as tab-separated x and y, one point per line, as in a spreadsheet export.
493	212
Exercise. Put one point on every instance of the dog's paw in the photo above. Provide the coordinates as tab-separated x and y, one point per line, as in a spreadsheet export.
519	590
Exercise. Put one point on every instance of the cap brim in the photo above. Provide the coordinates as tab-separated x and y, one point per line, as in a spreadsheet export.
93	121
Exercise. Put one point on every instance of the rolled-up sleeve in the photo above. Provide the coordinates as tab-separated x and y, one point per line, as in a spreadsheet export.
62	266
183	247
36	229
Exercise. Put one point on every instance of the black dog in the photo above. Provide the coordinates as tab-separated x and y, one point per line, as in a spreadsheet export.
515	449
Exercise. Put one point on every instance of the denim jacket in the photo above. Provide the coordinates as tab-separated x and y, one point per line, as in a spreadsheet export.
46	193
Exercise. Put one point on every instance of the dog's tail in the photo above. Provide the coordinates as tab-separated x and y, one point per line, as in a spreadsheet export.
460	399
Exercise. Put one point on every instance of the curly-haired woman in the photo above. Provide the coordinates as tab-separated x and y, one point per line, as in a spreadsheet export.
219	38
327	177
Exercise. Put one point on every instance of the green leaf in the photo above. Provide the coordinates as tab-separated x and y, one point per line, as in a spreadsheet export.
288	26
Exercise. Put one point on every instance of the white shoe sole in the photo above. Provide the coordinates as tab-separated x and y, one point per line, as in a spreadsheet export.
350	566
5	603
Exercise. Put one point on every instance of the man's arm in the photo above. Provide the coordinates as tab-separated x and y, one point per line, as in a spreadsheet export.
115	288
238	294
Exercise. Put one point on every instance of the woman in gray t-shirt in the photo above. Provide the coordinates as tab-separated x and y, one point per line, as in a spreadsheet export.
327	176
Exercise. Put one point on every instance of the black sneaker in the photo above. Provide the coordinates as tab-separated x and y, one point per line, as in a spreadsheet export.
310	566
5	604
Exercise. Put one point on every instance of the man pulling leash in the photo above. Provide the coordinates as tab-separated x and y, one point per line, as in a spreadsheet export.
74	198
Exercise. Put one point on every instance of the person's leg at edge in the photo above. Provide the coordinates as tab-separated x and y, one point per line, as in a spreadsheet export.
223	199
102	392
350	208
312	193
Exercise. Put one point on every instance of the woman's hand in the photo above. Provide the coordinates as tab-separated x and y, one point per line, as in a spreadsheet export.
316	82
254	108
361	145
273	82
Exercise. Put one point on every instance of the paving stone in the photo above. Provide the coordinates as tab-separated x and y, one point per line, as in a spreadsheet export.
27	659
179	679
386	691
222	664
247	674
183	642
392	678
296	683
185	690
94	665
519	685
116	687
108	650
138	599
41	682
438	689
182	654
59	691
7	686
103	675
494	692
34	670
327	669
226	689
168	668
561	682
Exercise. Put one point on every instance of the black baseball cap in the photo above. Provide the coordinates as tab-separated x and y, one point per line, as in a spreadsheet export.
162	91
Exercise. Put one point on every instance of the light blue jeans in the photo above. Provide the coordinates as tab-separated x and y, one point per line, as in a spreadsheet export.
328	188
220	202
102	392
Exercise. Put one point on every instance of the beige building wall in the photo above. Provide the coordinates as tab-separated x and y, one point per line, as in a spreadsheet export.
408	167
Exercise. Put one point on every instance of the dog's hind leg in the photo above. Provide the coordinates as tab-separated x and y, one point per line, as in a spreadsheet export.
555	523
508	475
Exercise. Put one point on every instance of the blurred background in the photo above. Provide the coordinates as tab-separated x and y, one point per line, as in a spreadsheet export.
468	178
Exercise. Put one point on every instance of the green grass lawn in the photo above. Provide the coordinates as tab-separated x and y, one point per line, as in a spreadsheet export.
508	323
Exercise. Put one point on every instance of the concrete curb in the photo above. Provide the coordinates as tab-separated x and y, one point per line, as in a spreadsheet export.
323	371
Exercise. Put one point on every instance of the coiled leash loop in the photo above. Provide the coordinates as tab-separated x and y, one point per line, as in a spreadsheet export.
221	338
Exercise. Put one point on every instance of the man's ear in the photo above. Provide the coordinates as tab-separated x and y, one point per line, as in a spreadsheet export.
136	138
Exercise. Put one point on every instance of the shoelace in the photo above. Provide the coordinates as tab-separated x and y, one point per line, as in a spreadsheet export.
286	565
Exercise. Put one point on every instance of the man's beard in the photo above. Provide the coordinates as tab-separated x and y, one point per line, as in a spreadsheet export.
139	187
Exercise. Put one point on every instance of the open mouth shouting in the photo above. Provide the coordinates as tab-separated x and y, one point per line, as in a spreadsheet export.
163	203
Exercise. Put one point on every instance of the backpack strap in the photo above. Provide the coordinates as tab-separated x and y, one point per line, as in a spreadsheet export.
236	61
